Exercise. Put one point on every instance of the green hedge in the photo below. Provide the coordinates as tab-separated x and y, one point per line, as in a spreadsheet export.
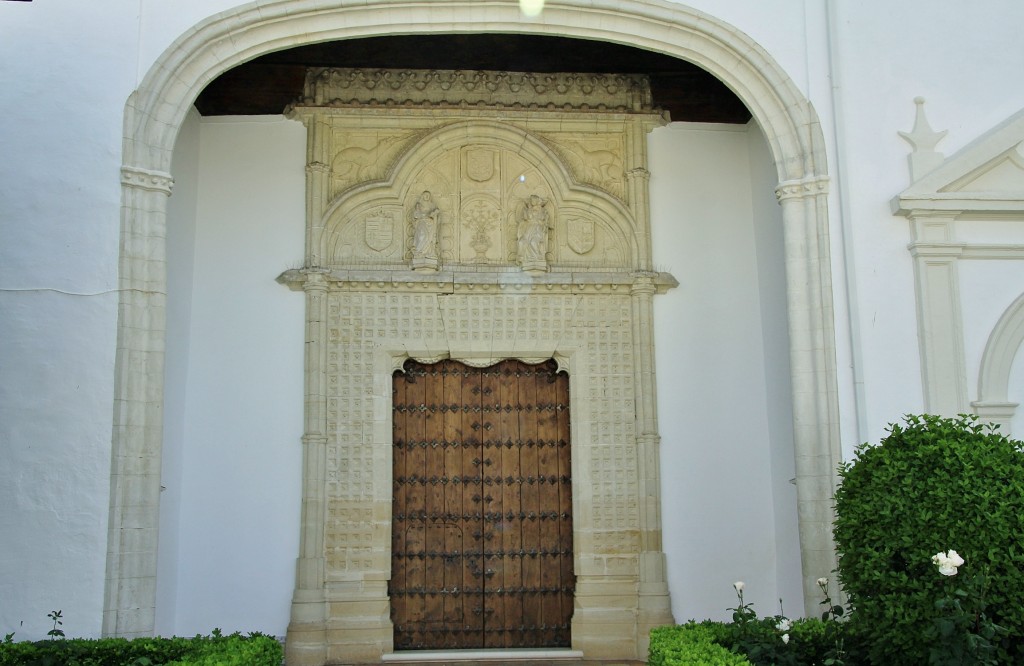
215	650
690	645
931	485
756	643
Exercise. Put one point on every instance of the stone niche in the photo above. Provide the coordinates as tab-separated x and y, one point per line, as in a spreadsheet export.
476	216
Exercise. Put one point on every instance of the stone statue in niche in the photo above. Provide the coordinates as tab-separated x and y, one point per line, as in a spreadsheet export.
534	224
426	217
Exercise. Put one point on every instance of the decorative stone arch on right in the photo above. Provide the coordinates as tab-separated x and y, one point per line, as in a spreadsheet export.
952	206
153	117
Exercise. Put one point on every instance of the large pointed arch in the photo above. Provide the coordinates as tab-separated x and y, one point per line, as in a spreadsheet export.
155	111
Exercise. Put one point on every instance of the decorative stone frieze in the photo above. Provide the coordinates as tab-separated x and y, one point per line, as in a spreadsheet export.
144	179
338	87
800	189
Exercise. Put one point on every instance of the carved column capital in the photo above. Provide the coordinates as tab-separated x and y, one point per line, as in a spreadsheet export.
638	173
643	284
315	280
318	167
145	179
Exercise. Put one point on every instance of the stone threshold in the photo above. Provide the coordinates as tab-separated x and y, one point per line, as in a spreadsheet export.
486	656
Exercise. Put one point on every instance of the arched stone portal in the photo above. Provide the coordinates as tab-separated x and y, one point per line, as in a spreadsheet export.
154	114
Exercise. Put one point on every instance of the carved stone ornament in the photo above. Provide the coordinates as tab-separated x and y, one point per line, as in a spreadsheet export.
534	225
426	220
379	230
580	234
481	219
339	87
480	164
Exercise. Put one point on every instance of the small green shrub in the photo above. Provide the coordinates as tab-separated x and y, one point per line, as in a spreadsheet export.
690	644
215	650
810	642
931	485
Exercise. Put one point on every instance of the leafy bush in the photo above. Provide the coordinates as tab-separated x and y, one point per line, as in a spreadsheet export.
215	650
690	644
810	642
931	485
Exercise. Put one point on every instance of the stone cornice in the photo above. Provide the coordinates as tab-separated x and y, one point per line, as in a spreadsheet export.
958	203
343	87
800	189
465	282
144	179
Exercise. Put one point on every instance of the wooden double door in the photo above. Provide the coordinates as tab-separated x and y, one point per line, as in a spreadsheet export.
481	553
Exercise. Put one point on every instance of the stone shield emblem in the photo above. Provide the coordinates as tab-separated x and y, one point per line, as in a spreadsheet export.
580	235
480	165
380	231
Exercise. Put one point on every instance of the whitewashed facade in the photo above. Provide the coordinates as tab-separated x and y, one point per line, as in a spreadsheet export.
153	476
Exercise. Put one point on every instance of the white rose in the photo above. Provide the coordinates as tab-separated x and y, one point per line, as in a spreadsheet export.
947	563
783	625
785	638
823	582
738	585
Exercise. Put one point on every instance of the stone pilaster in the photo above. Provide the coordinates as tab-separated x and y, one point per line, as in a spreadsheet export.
307	638
654	605
130	596
815	388
939	321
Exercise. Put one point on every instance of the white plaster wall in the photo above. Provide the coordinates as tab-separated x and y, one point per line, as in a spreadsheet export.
66	70
233	451
966	61
181	242
774	324
720	419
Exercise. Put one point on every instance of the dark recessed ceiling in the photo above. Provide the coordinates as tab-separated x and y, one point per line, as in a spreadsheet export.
269	83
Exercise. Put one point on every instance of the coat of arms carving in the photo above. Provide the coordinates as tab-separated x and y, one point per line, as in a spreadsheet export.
480	164
379	230
580	235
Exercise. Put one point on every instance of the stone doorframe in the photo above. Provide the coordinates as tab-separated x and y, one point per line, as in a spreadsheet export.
155	112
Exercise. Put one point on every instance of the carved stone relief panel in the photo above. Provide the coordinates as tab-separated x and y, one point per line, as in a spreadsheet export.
480	193
595	160
526	325
360	156
369	235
